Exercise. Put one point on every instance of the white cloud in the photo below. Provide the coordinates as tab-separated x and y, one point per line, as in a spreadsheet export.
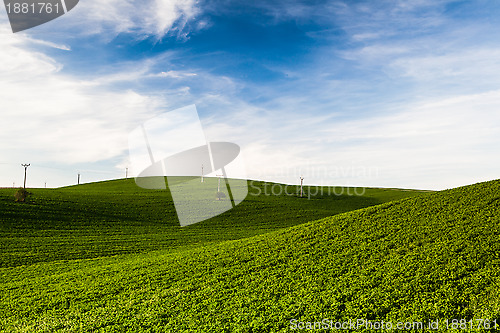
471	64
146	18
175	74
433	144
49	44
48	117
365	36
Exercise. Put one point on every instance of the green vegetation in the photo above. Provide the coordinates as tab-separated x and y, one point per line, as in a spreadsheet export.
21	195
117	217
433	257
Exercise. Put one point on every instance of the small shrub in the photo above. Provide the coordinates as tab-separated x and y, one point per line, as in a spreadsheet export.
21	194
220	195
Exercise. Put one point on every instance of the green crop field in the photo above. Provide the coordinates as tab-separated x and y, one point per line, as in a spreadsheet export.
117	217
110	257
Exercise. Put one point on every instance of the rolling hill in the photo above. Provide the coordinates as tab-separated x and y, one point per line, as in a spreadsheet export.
432	259
117	217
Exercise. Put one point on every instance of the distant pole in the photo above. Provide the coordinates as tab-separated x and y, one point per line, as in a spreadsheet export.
13	184
45	184
78	178
126	173
301	181
25	170
218	187
218	184
202	174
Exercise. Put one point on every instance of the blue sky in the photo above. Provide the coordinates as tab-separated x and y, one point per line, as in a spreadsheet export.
369	93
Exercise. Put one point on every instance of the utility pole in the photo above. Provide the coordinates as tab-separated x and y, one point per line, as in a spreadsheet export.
218	184
25	170
45	184
218	188
301	181
78	178
202	174
126	173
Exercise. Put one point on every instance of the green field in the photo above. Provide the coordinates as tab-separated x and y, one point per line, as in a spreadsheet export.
117	217
111	257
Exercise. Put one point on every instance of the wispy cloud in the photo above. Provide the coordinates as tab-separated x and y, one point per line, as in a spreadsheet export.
50	117
418	104
49	44
175	74
151	18
433	144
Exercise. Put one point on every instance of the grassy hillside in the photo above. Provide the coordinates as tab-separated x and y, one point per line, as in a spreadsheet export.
431	257
116	217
